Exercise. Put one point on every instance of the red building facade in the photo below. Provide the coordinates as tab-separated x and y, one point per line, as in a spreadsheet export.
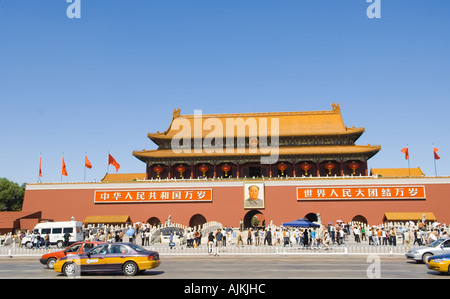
278	166
198	201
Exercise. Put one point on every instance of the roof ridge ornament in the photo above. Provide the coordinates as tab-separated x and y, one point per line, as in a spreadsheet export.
336	107
176	112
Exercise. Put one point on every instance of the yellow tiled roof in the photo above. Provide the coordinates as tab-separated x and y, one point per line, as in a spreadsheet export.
414	216
123	177
397	172
290	124
107	219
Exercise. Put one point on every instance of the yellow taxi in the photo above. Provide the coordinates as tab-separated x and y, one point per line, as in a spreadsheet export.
128	258
440	263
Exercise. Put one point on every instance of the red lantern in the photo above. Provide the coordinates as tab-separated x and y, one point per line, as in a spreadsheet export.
181	169
282	167
305	166
330	166
353	166
203	168
158	170
226	168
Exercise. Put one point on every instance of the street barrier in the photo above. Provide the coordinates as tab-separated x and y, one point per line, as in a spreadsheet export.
202	250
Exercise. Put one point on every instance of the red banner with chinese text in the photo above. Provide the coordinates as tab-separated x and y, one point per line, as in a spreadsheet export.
361	193
153	195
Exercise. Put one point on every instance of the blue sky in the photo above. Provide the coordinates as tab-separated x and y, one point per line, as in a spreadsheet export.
102	82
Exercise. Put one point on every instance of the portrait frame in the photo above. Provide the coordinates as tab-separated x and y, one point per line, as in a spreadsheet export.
256	203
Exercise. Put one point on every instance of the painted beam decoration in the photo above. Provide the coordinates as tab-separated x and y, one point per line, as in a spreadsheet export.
153	195
361	193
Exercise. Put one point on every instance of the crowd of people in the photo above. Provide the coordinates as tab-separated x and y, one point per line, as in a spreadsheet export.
326	235
329	235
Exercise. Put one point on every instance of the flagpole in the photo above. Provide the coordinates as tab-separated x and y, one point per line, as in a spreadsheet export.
107	169
62	165
434	158
84	179
409	158
40	165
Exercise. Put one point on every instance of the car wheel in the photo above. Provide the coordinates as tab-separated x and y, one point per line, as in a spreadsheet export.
70	269
51	263
425	257
130	268
60	244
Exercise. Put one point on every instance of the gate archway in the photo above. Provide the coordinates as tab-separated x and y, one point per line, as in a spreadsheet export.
360	218
250	215
197	220
311	217
154	221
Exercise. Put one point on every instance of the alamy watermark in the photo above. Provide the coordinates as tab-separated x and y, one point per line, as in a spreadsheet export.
374	9
374	269
73	11
213	135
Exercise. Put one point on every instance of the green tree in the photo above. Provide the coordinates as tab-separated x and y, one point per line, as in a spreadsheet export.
11	195
255	221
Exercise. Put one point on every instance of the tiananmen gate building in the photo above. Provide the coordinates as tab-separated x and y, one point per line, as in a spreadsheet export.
231	167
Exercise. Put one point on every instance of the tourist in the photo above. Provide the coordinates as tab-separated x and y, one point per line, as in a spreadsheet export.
210	242
147	237
296	236
268	237
261	236
417	238
356	234
219	241
393	237
326	240
47	241
384	237
66	239
286	236
239	238
313	237
38	240
277	237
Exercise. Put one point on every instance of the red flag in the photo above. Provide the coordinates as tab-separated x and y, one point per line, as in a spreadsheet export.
87	163
435	150
111	161
64	170
40	169
406	152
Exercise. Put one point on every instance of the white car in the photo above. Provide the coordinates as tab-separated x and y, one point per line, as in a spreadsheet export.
56	232
422	253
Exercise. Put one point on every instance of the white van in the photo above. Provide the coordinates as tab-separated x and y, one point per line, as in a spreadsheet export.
56	231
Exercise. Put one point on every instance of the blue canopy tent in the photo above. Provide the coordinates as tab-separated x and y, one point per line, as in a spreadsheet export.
301	223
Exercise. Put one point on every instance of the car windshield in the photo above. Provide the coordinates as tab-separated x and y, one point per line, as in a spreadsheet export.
137	247
436	243
74	247
100	249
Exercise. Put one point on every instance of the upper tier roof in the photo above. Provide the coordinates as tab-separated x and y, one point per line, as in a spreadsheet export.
332	150
312	123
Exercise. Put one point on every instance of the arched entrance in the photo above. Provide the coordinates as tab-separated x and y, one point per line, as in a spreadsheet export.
360	218
153	221
254	218
312	217
197	220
